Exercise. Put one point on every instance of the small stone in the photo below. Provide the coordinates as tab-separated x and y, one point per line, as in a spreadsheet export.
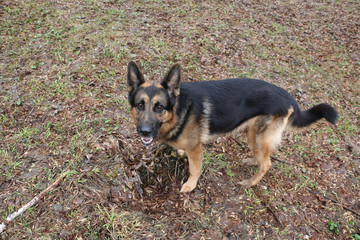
57	207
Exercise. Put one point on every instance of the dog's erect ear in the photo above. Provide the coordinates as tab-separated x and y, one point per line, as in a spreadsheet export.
172	81
135	77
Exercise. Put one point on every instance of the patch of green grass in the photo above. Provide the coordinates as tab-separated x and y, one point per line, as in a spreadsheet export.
287	169
306	181
5	155
3	119
355	236
119	223
252	196
347	128
334	227
214	163
28	132
283	208
61	88
202	221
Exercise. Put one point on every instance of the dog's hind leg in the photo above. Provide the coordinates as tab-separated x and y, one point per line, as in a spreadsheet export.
195	163
264	135
251	134
262	157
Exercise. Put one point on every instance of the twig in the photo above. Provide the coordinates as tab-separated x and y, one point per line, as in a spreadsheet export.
279	160
334	201
269	208
272	212
33	201
235	140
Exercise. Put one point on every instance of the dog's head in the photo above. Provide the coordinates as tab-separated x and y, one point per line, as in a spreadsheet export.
153	104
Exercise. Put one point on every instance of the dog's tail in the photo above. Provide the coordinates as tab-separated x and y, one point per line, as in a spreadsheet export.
309	116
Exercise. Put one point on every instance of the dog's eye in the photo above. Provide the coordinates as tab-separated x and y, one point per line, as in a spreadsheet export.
159	108
140	106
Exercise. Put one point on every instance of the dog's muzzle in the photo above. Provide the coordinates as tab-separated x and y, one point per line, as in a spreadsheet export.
146	133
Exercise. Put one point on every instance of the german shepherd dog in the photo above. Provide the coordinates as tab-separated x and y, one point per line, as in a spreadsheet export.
188	115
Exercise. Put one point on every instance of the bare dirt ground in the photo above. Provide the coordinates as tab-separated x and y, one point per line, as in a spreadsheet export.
63	107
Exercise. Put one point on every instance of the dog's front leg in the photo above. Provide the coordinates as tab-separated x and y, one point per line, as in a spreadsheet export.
195	162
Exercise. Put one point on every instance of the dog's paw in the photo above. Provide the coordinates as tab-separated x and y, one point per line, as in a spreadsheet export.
249	161
246	183
188	187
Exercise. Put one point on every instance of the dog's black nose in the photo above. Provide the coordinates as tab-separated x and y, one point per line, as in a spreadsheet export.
145	130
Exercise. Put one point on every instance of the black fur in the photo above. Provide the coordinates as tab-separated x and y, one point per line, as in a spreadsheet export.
134	77
233	101
323	110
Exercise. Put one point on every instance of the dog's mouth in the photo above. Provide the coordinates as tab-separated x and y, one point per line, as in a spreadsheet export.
147	140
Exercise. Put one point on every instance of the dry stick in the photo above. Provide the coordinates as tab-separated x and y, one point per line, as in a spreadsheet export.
334	201
236	141
269	208
279	160
33	201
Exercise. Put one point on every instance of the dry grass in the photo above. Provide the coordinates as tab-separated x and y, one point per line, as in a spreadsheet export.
63	105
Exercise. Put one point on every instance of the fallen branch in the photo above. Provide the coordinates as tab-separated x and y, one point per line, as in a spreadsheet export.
268	206
334	201
235	140
33	201
279	160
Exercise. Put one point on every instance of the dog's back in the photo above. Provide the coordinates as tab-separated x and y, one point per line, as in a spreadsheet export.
229	103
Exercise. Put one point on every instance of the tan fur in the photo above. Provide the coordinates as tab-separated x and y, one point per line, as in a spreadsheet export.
135	115
134	112
158	98
195	163
190	136
169	122
264	134
158	85
146	84
191	144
